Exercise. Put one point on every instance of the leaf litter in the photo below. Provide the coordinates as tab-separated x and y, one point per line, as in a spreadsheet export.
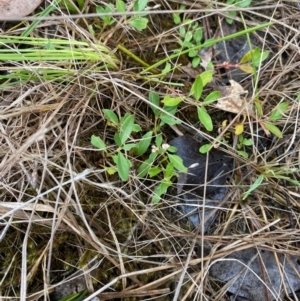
256	274
232	99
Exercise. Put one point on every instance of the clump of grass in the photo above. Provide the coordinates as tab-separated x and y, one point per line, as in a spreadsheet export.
51	59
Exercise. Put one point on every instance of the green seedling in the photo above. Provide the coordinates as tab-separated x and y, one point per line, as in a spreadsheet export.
242	144
190	35
138	21
237	3
277	114
207	43
279	111
108	9
167	113
73	6
125	127
174	165
196	91
160	161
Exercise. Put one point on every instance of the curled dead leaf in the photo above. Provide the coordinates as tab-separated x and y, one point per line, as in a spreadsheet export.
17	8
205	55
232	99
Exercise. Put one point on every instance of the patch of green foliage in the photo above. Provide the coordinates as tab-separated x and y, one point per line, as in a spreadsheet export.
190	35
137	21
236	3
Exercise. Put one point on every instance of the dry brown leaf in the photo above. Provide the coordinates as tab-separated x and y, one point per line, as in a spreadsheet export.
17	8
232	99
205	55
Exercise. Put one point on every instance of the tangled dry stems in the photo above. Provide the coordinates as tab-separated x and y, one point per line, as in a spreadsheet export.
63	213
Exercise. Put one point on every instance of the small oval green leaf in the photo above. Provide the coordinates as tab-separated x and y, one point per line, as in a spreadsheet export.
154	171
204	118
188	37
171	101
259	57
169	118
176	18
111	116
136	128
123	166
205	148
247	142
169	171
279	111
126	128
196	61
243	154
98	142
141	5
198	35
247	69
172	149
117	139
273	129
160	190
177	162
193	53
154	99
211	97
120	5
197	88
206	77
143	144
247	57
139	23
158	140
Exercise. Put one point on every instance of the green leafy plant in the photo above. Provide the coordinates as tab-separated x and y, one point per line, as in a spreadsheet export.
108	9
269	122
125	127
277	114
237	3
167	164
73	6
138	21
190	35
242	143
166	115
160	160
